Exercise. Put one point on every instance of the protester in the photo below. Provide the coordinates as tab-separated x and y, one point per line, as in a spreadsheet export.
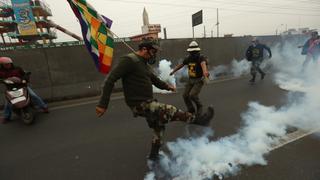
255	54
137	80
311	49
197	71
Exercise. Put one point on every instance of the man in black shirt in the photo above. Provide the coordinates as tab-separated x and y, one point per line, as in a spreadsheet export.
254	54
197	70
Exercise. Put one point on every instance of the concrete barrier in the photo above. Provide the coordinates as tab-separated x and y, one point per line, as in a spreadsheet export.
69	72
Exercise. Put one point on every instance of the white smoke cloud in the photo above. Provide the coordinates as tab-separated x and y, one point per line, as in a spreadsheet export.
199	158
235	69
164	74
239	68
218	71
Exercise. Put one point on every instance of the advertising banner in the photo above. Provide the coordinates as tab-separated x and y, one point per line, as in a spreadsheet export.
24	17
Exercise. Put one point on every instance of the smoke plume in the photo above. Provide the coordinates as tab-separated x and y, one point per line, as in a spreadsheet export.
198	158
164	74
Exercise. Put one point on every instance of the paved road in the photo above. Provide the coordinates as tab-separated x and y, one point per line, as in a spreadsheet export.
71	143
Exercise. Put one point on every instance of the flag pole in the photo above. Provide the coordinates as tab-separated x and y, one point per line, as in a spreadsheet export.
122	41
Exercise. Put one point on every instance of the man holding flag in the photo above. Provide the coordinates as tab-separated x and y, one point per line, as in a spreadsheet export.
136	74
137	80
96	33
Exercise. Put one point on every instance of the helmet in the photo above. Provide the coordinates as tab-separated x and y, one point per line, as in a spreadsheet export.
193	46
5	60
149	44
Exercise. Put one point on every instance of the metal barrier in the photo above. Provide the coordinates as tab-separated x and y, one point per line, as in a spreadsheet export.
39	46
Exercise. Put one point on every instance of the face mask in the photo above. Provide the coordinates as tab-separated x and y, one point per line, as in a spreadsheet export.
194	54
153	58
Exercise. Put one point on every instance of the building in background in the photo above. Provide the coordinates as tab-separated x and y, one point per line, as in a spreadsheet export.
26	22
149	31
299	31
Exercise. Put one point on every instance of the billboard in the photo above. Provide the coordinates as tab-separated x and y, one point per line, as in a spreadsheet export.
24	17
151	28
154	28
197	18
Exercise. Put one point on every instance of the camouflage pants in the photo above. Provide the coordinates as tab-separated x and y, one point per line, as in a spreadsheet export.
191	94
158	114
256	67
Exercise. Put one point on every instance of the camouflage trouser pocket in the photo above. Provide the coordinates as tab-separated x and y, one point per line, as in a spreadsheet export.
157	114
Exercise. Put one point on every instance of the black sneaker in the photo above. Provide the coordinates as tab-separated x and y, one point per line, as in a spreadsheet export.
204	119
251	80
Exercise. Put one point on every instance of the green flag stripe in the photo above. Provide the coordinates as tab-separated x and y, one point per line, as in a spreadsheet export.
92	12
109	42
84	2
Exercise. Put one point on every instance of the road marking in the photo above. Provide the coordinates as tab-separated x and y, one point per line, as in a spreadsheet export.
79	102
95	101
291	137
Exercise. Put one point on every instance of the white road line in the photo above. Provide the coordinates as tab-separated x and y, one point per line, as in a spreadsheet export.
72	104
82	103
291	137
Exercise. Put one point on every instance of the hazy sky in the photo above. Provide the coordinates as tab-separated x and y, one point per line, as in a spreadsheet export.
239	17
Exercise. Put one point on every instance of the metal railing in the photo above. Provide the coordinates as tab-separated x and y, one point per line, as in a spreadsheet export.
39	46
42	4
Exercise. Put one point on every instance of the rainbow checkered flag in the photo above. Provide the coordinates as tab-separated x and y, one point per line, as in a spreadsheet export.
96	34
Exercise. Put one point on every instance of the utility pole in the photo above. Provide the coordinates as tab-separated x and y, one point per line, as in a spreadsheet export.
212	33
286	27
165	33
204	31
192	32
217	22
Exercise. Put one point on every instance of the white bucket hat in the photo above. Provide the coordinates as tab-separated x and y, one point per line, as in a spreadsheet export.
193	46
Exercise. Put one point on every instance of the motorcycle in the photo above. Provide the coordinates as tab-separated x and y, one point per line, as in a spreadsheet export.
18	97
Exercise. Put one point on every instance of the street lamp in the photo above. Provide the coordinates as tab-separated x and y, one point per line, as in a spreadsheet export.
278	28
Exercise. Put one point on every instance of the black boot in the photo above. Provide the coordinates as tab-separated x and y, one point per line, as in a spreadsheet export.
204	119
154	152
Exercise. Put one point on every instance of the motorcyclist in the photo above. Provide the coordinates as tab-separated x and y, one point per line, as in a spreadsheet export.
8	69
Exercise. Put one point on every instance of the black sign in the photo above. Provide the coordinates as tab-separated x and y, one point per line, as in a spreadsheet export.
197	18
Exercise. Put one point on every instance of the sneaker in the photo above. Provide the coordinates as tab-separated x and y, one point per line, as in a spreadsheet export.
204	119
263	75
45	110
251	80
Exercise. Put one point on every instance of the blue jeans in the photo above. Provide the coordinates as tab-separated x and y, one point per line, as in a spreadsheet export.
34	99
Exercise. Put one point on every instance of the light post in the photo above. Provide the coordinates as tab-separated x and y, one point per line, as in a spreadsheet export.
278	28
